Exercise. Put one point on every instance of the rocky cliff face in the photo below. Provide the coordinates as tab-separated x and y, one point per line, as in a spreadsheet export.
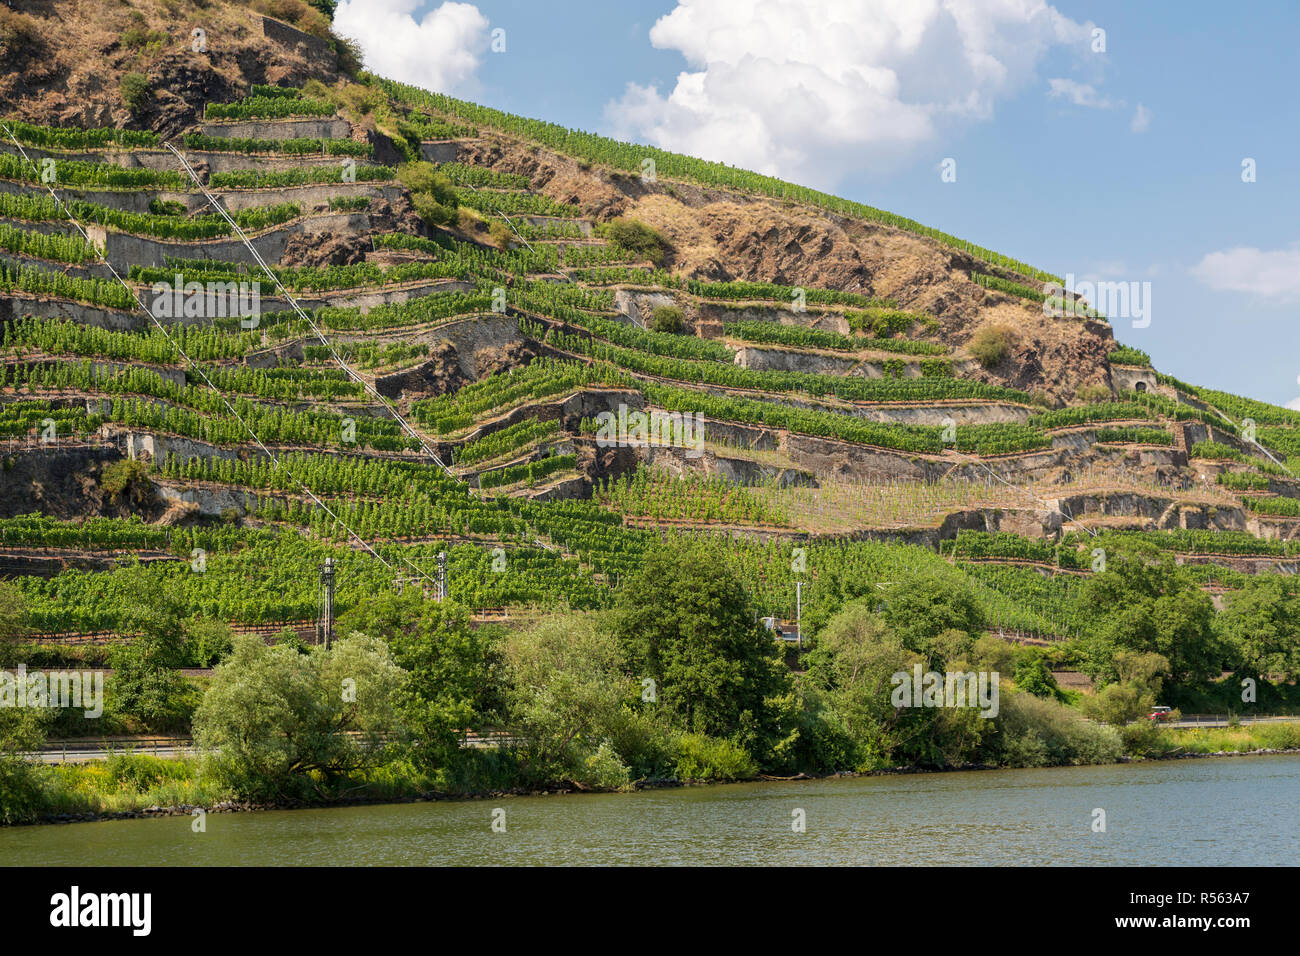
64	60
719	235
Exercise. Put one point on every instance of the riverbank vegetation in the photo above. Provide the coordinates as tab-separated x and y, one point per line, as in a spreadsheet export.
679	681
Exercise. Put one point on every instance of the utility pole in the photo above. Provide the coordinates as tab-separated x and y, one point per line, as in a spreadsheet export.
798	612
442	576
325	627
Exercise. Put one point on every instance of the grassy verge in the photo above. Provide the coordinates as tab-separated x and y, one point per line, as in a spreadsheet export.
127	783
1145	740
1243	739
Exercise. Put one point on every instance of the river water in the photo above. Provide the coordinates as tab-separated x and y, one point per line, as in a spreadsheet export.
1216	811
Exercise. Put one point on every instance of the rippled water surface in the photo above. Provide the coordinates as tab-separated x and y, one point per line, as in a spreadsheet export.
1238	810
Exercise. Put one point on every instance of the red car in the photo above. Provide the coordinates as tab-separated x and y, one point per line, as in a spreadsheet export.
1160	713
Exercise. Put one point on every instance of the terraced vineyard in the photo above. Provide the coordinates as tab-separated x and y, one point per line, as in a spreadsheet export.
488	369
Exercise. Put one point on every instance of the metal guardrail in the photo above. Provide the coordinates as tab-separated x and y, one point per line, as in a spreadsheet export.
1229	718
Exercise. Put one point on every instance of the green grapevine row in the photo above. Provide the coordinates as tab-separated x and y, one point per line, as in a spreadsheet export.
629	157
302	146
507	441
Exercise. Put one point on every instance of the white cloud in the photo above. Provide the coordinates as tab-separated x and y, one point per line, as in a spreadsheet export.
810	89
1141	119
1269	274
439	52
1294	403
1080	94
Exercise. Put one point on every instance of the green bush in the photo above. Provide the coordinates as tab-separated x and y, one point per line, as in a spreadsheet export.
1144	738
126	480
351	56
21	791
1043	733
142	772
1033	677
22	795
701	758
991	345
432	193
207	641
432	212
138	36
135	90
604	769
424	178
639	238
667	318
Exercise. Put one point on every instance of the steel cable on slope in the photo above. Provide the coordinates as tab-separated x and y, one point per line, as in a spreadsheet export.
354	375
474	189
202	374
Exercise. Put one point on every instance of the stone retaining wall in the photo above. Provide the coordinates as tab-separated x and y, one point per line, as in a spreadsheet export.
445	152
306	128
125	250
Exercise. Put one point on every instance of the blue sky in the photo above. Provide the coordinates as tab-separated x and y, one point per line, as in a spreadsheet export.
1130	171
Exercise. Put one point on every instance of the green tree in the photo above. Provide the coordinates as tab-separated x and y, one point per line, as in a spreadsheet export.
1139	679
1033	732
858	661
13	620
667	318
278	720
135	91
935	615
688	624
207	640
853	662
1261	625
21	787
455	671
638	237
127	482
991	344
570	695
1032	676
146	685
1144	602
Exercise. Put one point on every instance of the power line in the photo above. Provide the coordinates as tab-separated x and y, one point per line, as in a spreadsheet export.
195	366
353	374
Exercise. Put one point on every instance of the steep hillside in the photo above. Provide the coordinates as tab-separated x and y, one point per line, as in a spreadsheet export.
67	62
480	293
